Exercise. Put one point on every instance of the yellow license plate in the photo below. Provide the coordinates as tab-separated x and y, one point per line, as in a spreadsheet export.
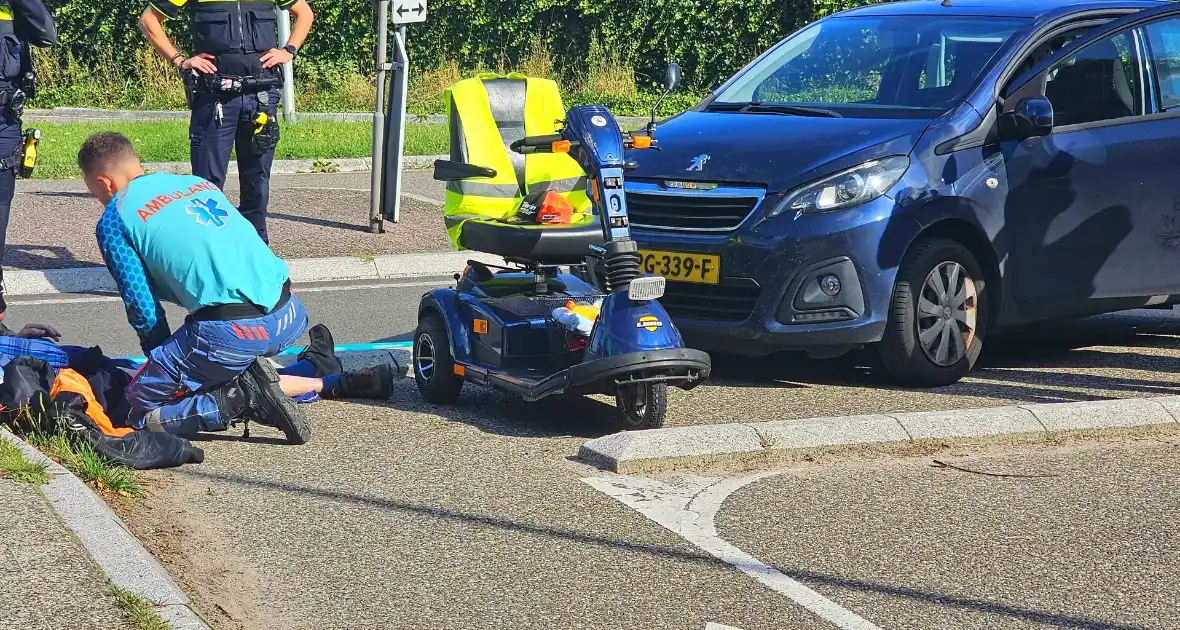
676	267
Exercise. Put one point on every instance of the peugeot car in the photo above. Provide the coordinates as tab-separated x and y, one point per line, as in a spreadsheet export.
916	175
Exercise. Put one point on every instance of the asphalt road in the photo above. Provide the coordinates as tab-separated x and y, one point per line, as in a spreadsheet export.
407	515
913	547
1118	356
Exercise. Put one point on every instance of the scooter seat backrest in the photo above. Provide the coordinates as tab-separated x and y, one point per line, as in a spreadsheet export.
486	114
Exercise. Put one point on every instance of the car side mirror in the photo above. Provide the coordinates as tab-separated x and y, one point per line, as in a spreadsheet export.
671	82
672	78
1032	118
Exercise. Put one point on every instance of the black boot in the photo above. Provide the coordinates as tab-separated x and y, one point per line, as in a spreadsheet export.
255	396
374	383
321	352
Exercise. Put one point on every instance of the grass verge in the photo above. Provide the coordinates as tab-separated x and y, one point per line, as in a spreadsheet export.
13	465
92	468
139	613
167	141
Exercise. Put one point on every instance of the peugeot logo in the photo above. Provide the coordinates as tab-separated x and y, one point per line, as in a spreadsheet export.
698	162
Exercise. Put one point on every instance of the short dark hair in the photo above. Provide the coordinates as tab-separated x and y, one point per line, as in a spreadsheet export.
104	150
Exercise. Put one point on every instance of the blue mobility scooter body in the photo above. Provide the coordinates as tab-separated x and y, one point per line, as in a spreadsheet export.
496	328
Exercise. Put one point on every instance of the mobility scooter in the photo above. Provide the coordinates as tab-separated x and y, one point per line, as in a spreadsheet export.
499	326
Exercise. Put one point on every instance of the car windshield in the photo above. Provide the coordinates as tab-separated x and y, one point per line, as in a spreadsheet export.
871	67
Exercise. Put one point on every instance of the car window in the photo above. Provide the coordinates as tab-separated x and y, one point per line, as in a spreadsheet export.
1163	39
1102	81
867	66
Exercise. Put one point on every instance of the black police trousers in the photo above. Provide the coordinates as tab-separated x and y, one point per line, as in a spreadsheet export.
10	142
212	138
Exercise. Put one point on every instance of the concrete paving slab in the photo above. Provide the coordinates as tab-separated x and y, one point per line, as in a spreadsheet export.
933	425
1104	414
47	581
325	269
106	540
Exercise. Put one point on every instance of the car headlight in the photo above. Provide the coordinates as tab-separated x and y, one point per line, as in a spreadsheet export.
857	185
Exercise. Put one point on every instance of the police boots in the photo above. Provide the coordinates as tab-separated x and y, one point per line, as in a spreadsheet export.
255	395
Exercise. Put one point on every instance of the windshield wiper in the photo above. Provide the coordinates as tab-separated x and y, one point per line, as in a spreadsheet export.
790	110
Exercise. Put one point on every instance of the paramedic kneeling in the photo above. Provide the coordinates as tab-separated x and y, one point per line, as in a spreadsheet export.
177	238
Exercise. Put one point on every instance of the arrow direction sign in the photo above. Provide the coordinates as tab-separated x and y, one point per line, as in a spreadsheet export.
408	11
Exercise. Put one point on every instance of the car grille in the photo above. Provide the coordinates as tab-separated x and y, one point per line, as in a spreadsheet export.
694	213
714	303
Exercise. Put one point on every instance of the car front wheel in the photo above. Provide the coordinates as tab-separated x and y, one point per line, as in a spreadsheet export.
937	319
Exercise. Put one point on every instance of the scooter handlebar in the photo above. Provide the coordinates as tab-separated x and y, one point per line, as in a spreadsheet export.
536	144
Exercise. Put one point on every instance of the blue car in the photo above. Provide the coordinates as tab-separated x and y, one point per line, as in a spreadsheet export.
915	176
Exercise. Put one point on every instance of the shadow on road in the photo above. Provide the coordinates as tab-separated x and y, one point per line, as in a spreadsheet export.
328	223
657	551
37	257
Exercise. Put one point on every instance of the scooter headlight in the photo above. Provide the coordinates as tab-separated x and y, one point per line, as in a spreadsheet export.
646	288
857	185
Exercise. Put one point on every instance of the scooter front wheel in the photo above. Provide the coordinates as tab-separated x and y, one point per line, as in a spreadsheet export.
642	405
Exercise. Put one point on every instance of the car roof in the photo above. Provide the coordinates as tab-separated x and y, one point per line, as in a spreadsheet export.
998	8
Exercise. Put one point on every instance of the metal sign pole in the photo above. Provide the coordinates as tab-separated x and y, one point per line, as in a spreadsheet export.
375	214
288	68
396	132
389	122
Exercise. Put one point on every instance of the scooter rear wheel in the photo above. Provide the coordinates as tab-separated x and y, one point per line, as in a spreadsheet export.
434	367
642	405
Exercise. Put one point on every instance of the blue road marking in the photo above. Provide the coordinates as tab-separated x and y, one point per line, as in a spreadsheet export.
345	347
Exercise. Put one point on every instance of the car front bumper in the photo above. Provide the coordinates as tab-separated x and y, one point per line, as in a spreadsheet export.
769	296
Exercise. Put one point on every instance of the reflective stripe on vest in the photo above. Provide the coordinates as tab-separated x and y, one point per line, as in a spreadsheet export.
499	197
550	171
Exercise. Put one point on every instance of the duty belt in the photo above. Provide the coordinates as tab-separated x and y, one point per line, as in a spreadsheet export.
233	312
229	84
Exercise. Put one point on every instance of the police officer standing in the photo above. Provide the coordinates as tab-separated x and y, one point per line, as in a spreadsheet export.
23	23
232	82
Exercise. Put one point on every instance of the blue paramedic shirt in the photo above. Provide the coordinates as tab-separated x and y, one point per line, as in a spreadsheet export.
176	238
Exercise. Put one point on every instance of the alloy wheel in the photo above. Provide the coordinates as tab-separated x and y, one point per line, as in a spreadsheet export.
424	357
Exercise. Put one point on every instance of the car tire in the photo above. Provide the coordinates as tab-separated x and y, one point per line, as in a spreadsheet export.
935	331
434	367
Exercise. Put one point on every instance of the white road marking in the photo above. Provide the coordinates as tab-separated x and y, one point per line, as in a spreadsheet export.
422	198
688	510
717	626
298	289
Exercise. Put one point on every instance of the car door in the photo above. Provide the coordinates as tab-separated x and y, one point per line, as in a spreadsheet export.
1077	210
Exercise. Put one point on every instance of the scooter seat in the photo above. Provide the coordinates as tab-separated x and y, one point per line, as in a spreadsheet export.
542	244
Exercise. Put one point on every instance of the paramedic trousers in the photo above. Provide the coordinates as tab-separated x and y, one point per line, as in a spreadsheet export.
10	141
173	391
216	131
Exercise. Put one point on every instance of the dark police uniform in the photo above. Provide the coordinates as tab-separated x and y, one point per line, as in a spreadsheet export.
236	33
22	23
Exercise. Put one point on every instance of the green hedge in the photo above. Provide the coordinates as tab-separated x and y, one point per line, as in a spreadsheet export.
710	39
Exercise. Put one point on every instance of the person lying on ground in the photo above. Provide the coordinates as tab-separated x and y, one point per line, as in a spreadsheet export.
177	238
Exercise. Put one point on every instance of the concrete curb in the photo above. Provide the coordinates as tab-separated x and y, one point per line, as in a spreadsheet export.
115	550
686	447
303	270
291	167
